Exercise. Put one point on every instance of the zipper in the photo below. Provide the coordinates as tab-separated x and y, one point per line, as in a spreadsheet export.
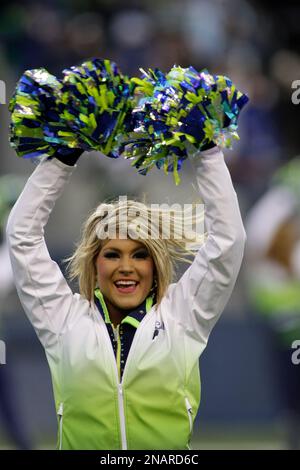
118	355
121	400
120	384
60	413
189	410
120	389
122	416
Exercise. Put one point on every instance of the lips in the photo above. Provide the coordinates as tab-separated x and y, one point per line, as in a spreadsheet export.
127	286
125	282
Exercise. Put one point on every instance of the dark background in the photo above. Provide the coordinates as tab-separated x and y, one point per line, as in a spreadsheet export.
257	45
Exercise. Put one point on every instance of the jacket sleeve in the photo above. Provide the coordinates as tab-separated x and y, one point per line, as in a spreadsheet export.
6	275
203	291
42	289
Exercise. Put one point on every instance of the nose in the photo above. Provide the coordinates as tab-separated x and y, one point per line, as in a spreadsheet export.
125	265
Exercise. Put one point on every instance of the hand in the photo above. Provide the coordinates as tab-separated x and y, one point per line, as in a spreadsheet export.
192	151
67	155
208	146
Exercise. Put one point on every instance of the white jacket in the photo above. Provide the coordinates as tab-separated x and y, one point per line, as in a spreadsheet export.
155	404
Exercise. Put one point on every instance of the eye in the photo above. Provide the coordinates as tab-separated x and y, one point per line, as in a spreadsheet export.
111	254
141	254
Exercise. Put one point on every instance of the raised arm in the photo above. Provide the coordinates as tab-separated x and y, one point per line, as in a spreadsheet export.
6	275
43	291
203	291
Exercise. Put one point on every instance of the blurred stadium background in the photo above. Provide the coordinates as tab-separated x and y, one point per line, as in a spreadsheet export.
257	45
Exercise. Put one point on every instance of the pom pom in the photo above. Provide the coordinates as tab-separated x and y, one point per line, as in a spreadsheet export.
86	110
94	103
176	110
153	119
35	118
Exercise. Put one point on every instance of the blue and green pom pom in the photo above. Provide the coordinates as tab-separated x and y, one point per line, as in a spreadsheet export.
153	120
85	110
176	110
34	116
95	100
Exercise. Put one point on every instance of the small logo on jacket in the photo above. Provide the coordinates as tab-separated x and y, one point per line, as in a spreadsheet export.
158	326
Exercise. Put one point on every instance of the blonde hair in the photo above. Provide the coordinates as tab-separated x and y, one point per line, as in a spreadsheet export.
165	252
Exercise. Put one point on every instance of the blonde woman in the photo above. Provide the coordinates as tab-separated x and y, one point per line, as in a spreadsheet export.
124	351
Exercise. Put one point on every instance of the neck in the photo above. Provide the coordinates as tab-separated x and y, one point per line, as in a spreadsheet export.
116	314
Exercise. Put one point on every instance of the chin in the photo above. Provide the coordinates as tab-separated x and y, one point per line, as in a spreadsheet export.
127	304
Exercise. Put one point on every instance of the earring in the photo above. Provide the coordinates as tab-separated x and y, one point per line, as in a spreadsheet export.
154	287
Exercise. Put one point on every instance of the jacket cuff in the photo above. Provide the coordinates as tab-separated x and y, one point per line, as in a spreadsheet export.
68	156
199	156
210	151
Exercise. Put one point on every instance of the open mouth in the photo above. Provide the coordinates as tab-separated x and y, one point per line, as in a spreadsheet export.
126	287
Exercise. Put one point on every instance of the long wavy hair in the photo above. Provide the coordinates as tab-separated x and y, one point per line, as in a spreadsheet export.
158	227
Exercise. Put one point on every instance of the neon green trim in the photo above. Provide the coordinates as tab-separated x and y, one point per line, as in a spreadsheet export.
149	303
99	296
118	350
132	321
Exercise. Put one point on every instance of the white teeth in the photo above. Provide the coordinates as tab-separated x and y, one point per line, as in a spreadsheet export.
125	283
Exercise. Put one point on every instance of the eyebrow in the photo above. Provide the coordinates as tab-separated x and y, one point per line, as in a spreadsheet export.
119	251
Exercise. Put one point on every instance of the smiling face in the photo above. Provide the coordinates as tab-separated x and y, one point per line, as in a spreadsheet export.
124	260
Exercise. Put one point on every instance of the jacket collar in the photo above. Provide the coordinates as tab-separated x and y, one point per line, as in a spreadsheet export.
133	318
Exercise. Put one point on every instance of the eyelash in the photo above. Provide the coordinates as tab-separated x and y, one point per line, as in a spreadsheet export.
140	255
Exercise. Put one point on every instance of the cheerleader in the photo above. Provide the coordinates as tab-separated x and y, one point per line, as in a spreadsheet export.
124	350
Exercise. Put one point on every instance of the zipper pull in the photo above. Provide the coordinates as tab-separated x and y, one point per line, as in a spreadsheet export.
60	410
188	406
116	332
155	335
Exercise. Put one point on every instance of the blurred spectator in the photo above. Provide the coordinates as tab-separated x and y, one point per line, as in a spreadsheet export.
10	187
273	265
84	36
131	32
